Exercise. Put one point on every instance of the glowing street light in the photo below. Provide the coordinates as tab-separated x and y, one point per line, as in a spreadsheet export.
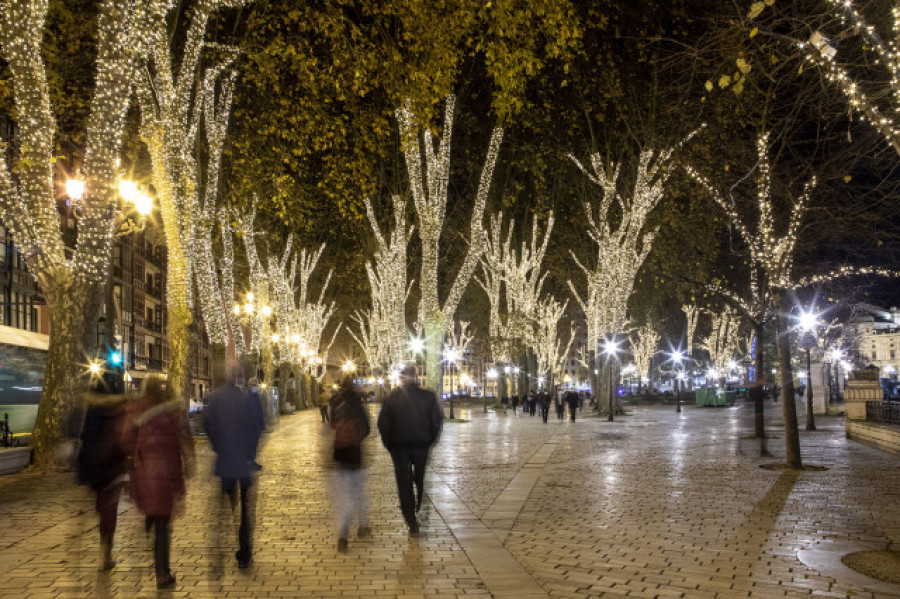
75	188
808	321
348	367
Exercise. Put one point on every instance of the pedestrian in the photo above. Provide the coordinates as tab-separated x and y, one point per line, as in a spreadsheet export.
157	438
515	403
532	405
323	400
350	422
560	405
234	423
504	401
545	405
102	464
571	398
410	423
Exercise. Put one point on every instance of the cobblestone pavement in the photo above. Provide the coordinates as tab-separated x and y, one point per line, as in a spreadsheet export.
656	504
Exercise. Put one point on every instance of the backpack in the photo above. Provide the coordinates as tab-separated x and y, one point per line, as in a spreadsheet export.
348	430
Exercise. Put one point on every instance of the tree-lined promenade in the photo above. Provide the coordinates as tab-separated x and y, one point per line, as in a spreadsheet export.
538	183
657	504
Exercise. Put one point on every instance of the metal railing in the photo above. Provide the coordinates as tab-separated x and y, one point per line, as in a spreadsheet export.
883	411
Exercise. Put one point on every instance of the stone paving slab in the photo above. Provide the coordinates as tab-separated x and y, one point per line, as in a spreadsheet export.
656	504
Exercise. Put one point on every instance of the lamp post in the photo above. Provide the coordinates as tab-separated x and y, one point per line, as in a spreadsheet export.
807	341
677	357
836	356
451	356
609	350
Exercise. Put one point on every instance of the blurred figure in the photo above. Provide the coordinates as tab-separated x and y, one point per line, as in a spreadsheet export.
559	404
571	398
410	423
544	399
324	400
234	423
102	463
157	437
351	425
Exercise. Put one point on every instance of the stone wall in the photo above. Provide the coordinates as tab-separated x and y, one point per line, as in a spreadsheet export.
885	437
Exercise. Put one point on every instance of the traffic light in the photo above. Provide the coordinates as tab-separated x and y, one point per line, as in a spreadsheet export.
114	372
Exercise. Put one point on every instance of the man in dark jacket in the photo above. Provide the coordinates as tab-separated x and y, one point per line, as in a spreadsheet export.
234	423
350	422
410	423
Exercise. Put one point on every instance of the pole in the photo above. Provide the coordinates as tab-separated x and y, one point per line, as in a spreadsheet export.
610	390
810	422
452	417
677	396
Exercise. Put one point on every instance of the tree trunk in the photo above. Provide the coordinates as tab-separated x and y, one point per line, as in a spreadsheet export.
788	405
179	337
757	391
217	357
435	326
284	371
64	366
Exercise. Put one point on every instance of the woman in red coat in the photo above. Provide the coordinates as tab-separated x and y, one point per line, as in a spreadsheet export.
157	438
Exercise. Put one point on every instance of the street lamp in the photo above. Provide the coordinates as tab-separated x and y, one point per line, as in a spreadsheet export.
609	350
677	357
837	357
808	321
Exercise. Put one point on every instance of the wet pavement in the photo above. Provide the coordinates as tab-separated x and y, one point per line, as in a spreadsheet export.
656	504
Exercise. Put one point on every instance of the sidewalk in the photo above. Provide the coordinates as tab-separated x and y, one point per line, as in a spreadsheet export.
656	504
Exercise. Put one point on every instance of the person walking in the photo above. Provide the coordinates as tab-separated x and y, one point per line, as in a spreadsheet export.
532	404
102	464
545	405
324	399
410	423
515	403
157	438
234	423
571	398
350	422
560	405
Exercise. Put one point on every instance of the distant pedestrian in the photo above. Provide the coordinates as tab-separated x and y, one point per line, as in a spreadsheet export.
102	464
410	423
157	438
350	422
544	399
560	405
323	400
234	422
515	403
504	401
532	405
571	398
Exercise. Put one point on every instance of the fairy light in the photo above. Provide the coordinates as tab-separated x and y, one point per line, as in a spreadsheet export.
28	200
621	251
428	169
381	329
549	350
723	341
644	345
519	274
770	249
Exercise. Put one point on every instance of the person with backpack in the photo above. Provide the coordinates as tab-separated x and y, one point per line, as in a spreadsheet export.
410	423
350	423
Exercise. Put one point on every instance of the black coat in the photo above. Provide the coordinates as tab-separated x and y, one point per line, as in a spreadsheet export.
234	422
410	417
102	458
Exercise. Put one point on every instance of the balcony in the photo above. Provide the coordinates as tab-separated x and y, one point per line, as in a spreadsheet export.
156	292
155	364
140	362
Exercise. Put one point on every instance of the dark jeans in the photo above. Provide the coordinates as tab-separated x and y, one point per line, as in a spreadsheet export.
161	545
560	412
241	486
572	408
324	410
108	509
544	413
409	468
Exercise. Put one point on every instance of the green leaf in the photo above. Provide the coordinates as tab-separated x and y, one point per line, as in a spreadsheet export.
756	9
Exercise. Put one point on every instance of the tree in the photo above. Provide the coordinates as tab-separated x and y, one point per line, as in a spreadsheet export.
28	194
382	332
644	345
428	173
771	250
171	107
617	229
723	341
